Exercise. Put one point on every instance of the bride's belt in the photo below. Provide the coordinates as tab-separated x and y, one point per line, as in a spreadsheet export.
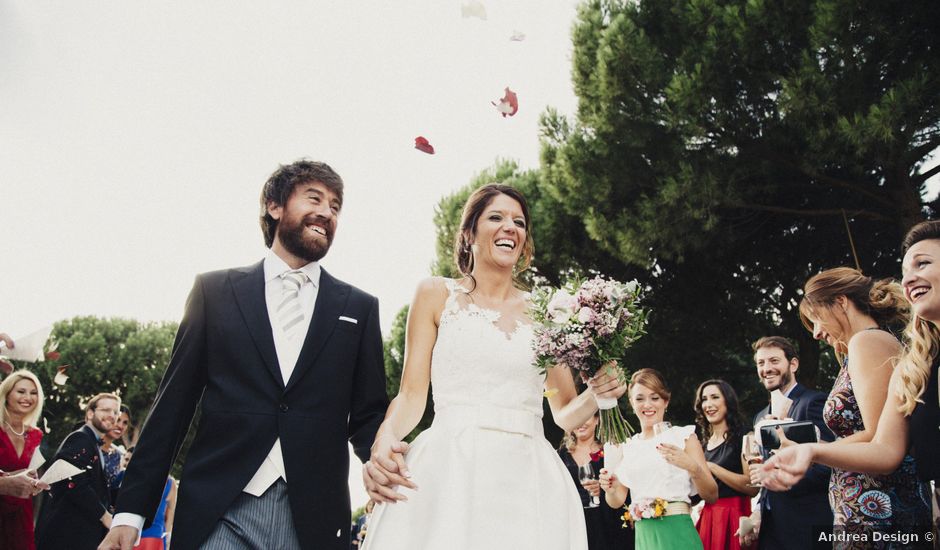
488	417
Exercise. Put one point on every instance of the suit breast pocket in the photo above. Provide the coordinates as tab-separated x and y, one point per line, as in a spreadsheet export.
347	327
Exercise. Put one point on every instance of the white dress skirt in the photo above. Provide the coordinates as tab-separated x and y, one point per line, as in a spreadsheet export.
486	476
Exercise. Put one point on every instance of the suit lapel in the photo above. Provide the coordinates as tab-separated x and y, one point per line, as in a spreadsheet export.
248	286
331	299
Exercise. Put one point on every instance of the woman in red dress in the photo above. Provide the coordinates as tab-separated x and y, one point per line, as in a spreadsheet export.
21	396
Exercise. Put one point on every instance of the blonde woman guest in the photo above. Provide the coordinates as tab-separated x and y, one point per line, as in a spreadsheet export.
669	465
850	312
579	449
910	421
22	399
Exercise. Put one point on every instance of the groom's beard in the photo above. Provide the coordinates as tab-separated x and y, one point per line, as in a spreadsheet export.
294	238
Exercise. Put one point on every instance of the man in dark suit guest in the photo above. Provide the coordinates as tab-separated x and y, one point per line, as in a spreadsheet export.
787	519
76	514
286	364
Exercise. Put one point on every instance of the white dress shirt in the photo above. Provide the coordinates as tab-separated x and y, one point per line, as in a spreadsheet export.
287	354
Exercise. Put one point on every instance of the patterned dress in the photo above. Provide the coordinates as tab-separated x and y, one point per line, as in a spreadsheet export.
864	503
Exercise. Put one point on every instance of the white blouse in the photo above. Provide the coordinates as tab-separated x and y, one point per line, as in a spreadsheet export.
647	474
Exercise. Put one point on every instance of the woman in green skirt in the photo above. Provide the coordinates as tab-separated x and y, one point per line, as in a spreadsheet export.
662	466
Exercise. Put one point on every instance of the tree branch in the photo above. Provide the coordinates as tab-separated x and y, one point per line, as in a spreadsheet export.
816	213
921	178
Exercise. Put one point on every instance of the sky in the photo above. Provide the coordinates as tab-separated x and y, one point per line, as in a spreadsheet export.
135	137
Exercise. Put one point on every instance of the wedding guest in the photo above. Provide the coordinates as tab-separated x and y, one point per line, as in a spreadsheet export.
910	420
22	398
850	312
76	513
721	431
661	468
114	453
581	449
787	519
485	475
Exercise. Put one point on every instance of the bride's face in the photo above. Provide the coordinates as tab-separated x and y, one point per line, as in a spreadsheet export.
500	233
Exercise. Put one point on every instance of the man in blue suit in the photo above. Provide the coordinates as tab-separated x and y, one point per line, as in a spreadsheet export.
788	519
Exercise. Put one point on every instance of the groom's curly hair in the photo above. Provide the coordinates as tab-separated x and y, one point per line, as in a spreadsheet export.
282	182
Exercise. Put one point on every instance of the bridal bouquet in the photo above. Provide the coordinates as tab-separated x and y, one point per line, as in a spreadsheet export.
588	325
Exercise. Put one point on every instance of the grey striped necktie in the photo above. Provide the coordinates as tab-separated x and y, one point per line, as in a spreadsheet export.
289	312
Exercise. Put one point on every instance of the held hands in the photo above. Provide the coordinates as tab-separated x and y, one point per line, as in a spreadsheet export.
607	383
386	470
121	537
749	529
677	457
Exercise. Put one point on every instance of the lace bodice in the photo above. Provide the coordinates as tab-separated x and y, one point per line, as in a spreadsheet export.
475	362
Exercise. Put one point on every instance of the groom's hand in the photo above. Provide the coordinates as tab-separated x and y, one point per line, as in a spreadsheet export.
121	537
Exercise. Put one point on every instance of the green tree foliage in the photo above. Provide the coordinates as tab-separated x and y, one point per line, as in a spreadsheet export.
115	355
722	147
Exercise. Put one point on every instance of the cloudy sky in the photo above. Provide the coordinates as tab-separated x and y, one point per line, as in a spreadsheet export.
135	137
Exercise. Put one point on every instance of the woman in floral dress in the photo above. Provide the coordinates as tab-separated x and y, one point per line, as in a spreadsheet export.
847	310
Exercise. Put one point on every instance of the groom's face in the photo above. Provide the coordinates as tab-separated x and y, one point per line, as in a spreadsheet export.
307	222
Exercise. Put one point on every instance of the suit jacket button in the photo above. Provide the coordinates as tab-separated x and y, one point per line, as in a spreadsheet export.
284	407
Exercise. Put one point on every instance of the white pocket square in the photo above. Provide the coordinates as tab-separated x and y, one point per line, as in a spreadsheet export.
348	319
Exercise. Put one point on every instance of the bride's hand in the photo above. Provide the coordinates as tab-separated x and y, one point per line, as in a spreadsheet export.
606	383
386	470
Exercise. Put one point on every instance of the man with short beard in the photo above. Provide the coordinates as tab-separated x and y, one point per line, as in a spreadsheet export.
287	364
787	519
77	511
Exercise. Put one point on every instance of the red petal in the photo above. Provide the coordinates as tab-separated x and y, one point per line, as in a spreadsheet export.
52	355
422	144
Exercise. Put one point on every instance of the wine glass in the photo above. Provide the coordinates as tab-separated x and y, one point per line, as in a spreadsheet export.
752	454
661	427
586	473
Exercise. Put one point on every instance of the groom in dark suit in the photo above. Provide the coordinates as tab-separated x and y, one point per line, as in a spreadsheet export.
287	364
788	518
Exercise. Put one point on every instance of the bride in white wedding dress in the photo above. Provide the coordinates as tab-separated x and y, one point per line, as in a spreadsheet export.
482	476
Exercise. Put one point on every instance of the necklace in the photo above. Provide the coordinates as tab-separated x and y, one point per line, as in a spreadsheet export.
19	433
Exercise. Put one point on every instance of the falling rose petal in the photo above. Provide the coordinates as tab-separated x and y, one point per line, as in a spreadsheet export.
508	105
5	366
60	377
52	355
422	144
473	8
45	425
517	36
550	393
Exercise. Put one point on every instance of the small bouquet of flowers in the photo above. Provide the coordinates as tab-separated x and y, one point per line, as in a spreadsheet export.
588	325
647	508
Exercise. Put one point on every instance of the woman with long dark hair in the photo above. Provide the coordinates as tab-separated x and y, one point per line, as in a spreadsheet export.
721	431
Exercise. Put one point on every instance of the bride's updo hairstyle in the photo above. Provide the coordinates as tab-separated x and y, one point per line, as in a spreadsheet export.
472	210
923	336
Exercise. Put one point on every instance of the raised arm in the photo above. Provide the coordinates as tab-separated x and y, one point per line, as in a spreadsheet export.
570	409
872	354
882	455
